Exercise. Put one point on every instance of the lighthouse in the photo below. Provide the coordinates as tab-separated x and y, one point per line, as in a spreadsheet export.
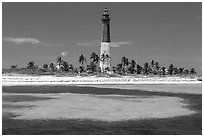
105	57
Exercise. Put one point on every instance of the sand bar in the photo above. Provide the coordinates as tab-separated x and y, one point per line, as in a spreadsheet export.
100	107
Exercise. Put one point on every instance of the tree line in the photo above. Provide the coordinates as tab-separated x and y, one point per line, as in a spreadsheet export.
126	66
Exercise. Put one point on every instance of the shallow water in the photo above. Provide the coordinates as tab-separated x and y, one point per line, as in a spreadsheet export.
177	88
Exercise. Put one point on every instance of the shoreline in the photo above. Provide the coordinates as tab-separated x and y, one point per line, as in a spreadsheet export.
26	80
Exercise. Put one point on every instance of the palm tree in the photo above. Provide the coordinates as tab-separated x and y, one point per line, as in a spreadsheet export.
65	66
157	67
139	69
71	67
118	68
81	69
192	71
14	66
107	69
75	71
88	69
51	66
31	65
45	66
152	63
95	60
59	60
125	63
133	63
132	66
92	67
146	68
181	71
82	60
114	69
175	70
163	70
170	70
186	71
94	57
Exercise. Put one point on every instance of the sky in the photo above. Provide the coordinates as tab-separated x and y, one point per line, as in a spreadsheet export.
170	33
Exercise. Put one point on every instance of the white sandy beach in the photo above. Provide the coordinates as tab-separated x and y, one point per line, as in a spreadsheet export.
8	80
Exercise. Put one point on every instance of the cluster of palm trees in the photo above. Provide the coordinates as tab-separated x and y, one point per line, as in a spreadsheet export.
125	67
60	65
92	67
31	65
154	68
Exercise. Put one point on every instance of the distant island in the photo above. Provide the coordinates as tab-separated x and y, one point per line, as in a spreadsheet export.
126	72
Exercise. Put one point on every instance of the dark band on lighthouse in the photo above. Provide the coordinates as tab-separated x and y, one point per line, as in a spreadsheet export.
106	26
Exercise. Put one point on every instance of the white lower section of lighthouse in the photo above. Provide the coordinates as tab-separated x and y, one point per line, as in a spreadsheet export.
106	61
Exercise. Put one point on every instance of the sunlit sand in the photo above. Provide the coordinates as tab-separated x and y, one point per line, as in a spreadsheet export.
100	107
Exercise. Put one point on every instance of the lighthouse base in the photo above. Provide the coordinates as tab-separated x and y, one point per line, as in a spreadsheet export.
105	60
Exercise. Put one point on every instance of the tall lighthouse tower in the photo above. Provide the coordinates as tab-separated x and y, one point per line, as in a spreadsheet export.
105	44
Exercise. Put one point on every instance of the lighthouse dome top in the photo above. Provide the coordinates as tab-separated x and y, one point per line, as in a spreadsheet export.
105	11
